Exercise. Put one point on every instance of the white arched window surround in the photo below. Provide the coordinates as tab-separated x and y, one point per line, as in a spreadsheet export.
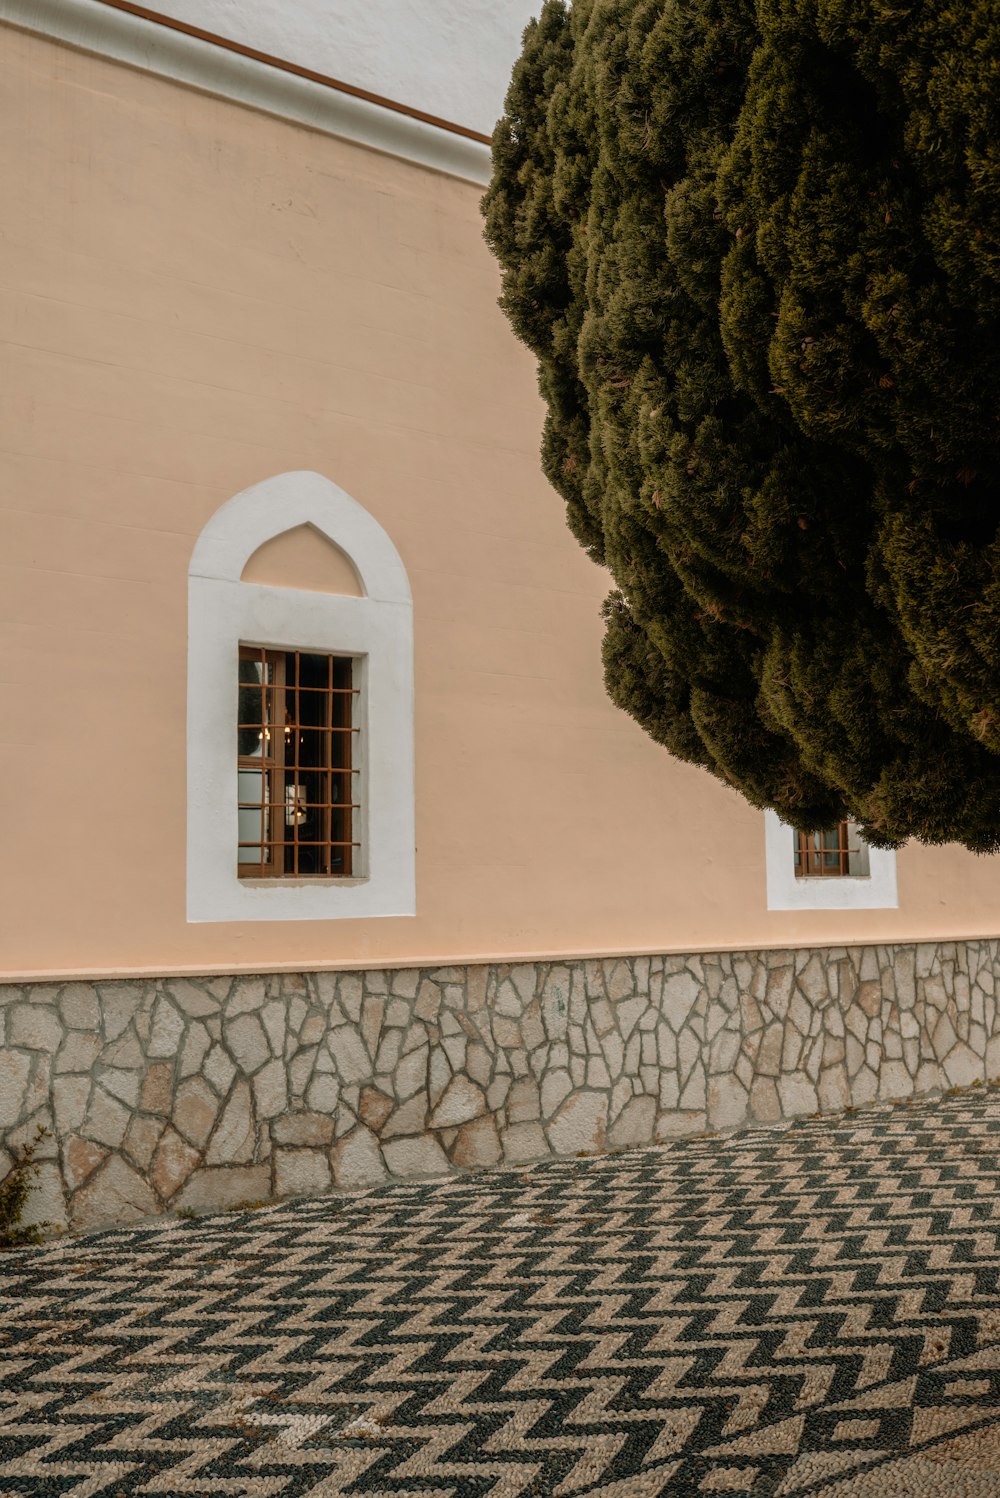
376	629
877	891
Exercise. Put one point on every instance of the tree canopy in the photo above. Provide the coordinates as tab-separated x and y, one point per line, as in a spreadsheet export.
755	248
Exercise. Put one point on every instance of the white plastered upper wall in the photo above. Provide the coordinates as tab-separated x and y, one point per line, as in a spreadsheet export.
451	58
208	65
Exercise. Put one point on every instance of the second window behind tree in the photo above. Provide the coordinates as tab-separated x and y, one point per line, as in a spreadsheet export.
837	852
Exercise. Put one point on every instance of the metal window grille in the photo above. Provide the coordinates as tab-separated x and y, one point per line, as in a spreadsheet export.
823	854
299	765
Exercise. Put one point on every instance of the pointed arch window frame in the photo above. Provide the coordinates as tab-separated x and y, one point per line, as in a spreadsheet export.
376	629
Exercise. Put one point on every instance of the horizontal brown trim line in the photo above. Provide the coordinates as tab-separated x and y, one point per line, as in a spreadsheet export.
145	14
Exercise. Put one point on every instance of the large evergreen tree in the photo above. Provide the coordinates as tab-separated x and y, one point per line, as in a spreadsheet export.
755	248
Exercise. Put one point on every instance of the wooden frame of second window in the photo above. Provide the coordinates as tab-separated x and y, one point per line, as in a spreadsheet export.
813	858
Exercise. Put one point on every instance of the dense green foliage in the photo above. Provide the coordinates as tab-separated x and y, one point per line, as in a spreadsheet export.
15	1189
756	251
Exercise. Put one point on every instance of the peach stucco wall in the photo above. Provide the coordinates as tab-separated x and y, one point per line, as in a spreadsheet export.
197	297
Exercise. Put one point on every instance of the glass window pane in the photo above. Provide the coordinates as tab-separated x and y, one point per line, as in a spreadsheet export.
254	817
254	702
297	719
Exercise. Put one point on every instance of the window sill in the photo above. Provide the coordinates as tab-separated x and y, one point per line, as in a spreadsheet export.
304	883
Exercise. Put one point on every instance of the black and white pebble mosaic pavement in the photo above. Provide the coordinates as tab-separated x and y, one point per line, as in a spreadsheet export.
813	1309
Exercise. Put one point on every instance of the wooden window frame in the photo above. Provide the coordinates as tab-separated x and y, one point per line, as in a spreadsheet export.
816	859
282	727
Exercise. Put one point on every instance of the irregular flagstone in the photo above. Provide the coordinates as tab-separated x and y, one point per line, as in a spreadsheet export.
233	1136
323	1093
477	1144
114	1194
118	1003
270	1089
470	1065
166	1029
157	1095
81	1157
15	1069
416	1156
78	1053
461	1101
357	1160
194	1111
212	1187
124	1085
141	1138
524	1104
375	1107
352	1061
523	1141
765	1102
301	1172
172	1164
409	1118
79	1007
634	1125
69	1101
246	996
579	1124
728	1102
194	1001
106	1120
314	1129
46	1204
216	1065
36	1027
247	1043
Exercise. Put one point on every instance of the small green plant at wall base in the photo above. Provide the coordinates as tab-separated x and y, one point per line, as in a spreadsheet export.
14	1190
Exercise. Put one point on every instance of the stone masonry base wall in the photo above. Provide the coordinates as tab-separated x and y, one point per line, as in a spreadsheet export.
177	1093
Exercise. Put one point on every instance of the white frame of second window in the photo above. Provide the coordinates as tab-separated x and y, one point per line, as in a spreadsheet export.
876	890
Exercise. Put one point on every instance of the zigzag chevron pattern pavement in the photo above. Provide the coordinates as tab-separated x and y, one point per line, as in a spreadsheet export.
811	1311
